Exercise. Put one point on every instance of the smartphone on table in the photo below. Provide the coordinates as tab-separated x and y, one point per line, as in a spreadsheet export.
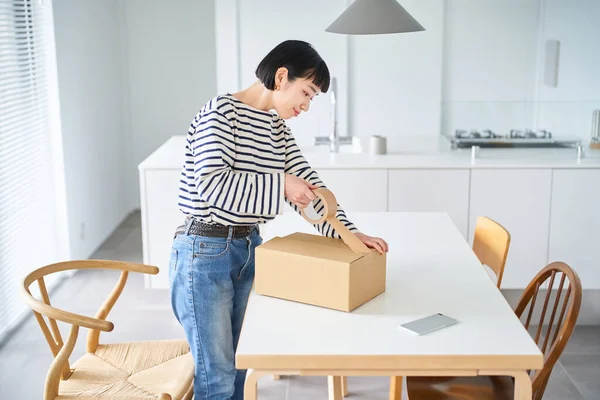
429	324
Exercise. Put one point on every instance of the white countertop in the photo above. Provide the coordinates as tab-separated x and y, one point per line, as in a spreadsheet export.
407	153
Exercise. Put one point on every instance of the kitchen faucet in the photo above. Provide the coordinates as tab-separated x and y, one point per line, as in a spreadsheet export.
334	140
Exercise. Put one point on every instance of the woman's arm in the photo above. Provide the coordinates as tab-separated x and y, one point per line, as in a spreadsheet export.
296	164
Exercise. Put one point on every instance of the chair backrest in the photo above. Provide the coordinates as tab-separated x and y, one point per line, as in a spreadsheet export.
60	368
490	244
558	329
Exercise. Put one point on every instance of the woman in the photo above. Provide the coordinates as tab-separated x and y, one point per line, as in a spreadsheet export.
241	164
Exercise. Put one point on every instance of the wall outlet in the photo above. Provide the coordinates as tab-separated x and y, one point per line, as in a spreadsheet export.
82	231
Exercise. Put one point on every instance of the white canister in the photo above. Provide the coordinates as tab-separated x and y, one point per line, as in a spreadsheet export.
378	144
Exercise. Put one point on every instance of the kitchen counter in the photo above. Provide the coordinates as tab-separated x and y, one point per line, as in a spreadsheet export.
408	153
546	198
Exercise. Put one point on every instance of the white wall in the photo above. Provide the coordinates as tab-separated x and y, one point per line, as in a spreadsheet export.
396	80
490	64
494	64
266	23
387	84
171	73
567	108
478	65
131	73
90	78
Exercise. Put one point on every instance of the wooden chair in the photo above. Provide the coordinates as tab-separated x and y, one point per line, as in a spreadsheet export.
491	243
138	370
551	342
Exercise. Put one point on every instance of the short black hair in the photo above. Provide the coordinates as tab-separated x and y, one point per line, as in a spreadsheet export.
301	61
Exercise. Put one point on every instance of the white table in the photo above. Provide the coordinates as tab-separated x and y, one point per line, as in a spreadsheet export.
431	269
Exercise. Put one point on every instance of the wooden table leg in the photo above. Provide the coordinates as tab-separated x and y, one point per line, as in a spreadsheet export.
334	384
251	385
522	385
522	382
344	386
276	377
395	388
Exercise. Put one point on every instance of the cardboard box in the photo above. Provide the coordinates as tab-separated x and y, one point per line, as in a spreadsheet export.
318	270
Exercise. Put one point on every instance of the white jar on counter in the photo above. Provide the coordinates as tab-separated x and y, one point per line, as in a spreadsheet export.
378	144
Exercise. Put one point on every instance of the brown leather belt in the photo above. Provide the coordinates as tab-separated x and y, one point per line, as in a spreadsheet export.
214	230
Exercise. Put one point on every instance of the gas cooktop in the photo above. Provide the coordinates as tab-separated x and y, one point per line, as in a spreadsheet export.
514	138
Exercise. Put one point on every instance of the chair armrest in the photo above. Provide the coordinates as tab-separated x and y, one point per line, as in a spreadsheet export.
65	316
118	265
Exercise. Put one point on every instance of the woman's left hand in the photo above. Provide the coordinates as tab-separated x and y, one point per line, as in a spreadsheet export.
373	242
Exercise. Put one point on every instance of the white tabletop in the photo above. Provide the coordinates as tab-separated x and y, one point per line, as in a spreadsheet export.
431	269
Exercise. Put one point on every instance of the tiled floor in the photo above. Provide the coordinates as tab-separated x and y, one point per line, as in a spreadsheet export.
141	314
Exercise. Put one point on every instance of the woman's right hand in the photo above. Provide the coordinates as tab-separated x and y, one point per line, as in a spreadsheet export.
299	191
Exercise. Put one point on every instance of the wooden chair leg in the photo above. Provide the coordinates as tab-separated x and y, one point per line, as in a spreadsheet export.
344	386
396	388
276	377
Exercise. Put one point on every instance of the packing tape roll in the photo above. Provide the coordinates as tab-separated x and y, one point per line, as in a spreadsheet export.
329	215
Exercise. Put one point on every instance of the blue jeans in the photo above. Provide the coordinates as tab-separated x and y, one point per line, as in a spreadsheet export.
210	280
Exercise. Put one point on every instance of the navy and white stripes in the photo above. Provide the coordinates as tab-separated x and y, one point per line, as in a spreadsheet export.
235	164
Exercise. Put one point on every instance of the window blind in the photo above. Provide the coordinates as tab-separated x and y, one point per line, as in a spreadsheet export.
30	228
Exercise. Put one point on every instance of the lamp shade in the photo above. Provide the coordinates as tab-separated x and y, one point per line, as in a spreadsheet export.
372	17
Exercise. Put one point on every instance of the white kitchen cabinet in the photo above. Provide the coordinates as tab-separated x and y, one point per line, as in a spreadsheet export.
357	190
575	222
519	200
548	219
431	190
160	217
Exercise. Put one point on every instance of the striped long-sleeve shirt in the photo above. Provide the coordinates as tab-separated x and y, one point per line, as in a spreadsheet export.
235	160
